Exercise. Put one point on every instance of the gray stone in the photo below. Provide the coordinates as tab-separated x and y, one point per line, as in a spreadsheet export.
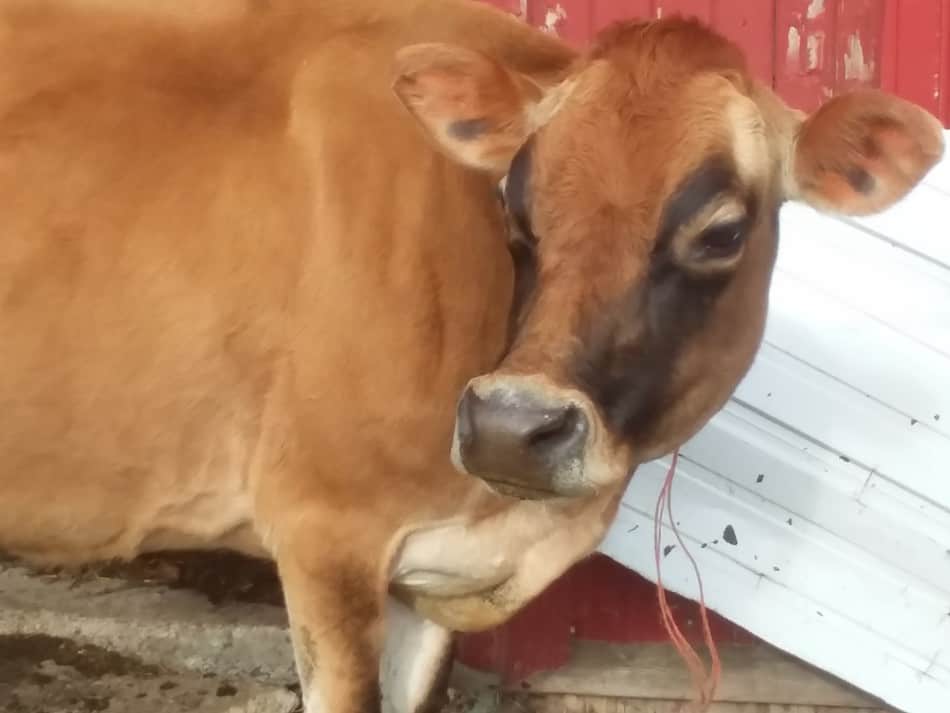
175	629
44	674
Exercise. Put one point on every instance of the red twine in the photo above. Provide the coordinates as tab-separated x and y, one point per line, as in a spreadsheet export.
705	683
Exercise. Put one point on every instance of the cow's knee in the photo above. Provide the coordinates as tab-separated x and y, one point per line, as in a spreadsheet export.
417	659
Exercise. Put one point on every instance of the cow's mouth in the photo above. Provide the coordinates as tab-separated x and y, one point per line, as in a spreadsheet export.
520	491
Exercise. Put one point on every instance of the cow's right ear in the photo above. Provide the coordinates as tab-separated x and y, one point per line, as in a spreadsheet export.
478	111
861	152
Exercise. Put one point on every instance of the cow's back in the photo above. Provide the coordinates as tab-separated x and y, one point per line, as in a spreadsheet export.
217	239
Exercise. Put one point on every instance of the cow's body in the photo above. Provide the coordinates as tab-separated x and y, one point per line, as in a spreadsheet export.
241	293
198	289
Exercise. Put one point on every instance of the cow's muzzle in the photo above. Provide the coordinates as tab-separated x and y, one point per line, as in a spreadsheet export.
522	441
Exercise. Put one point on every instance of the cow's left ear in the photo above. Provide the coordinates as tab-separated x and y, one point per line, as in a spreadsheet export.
477	110
861	152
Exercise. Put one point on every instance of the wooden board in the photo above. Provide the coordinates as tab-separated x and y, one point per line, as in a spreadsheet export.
599	704
634	675
751	674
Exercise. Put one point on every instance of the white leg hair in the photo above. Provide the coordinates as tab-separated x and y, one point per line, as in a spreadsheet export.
414	656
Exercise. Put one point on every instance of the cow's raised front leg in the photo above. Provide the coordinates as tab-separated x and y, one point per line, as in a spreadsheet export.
336	609
417	660
344	661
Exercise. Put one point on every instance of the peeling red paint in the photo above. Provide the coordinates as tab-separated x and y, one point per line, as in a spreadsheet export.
808	50
856	67
805	65
858	45
553	18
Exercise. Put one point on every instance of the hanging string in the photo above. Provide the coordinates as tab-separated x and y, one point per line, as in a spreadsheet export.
704	682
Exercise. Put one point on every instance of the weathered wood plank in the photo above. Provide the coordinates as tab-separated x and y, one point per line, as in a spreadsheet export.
751	674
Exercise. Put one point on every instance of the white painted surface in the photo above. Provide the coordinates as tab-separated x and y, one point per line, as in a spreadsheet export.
832	461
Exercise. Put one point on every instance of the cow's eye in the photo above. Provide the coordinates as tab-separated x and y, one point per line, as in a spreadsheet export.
713	243
721	241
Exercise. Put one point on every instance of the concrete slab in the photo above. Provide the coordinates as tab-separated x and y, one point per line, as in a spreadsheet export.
44	674
114	643
112	640
174	629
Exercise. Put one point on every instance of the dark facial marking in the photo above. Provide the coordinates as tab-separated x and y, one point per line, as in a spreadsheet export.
631	348
860	180
870	148
713	178
522	240
468	129
526	276
518	189
627	376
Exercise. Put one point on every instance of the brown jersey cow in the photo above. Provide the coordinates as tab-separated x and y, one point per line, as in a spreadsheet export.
256	292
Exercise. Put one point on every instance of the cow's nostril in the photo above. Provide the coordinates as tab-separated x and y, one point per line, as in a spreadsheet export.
554	427
514	437
464	426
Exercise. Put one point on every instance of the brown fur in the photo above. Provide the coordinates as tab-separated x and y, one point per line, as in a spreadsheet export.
241	291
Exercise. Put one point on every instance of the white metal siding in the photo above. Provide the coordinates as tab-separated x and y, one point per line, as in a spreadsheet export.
832	461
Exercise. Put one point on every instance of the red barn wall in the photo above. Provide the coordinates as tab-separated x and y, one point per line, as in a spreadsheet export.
808	50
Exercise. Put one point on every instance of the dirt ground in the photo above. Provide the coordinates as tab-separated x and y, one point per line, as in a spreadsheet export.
42	674
222	577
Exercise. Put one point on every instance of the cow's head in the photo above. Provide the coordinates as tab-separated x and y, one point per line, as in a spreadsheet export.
643	192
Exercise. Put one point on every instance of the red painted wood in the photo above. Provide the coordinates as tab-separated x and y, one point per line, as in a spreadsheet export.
805	51
914	38
945	65
858	37
536	639
889	47
598	600
569	19
701	9
611	603
603	12
751	25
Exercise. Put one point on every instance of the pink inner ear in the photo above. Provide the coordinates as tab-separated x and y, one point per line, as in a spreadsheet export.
441	92
836	189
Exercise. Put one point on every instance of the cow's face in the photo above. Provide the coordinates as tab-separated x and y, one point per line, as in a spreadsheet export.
643	194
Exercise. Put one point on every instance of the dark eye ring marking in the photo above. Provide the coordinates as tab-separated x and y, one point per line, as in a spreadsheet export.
714	177
522	242
718	245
